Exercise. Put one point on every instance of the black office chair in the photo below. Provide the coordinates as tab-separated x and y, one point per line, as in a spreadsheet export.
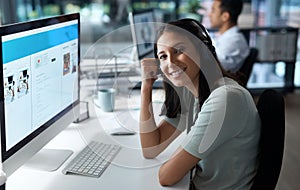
246	68
271	109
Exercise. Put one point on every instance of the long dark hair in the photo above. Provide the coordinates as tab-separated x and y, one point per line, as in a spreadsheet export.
172	106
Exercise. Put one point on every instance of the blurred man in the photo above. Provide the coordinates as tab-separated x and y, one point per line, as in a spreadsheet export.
231	46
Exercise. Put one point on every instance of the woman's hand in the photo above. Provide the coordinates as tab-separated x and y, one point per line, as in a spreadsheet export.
149	68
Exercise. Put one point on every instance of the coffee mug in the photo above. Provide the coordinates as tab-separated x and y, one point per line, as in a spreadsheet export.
106	99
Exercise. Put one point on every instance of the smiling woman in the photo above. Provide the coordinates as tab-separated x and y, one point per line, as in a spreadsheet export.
176	61
219	115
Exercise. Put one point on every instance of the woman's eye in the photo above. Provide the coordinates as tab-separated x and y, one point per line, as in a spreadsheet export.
162	57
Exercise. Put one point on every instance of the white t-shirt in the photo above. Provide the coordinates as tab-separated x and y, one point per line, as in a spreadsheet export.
232	49
225	137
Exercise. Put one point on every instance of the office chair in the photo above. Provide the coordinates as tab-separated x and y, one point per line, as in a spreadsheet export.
248	65
271	109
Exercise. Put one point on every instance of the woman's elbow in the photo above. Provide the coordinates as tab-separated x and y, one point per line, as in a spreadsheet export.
149	154
166	179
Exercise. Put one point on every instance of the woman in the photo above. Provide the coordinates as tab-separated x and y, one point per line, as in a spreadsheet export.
219	115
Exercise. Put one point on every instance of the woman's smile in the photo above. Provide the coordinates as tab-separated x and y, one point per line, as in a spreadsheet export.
177	73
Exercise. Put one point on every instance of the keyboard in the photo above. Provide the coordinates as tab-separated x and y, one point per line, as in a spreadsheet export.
92	160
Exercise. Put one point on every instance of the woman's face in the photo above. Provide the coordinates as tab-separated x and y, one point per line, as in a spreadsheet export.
178	59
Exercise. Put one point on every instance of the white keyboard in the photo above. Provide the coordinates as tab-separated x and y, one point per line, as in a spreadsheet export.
93	159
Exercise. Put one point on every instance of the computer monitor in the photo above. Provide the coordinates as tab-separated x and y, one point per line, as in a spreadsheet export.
39	93
143	30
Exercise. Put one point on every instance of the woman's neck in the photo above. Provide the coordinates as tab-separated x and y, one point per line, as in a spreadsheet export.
193	87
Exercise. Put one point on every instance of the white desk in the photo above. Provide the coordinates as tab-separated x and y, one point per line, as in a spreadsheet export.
129	170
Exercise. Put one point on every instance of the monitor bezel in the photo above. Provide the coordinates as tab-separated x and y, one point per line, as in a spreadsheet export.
69	110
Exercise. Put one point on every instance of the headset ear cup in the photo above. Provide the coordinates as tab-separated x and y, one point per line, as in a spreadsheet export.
203	35
207	41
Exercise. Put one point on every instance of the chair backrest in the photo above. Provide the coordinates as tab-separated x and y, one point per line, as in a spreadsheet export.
271	109
248	65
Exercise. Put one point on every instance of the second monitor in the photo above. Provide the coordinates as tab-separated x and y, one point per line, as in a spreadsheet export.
143	29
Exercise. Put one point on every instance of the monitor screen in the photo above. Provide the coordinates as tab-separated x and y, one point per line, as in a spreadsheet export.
143	31
39	84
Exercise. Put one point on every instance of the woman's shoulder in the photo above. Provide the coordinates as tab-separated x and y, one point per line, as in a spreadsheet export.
231	90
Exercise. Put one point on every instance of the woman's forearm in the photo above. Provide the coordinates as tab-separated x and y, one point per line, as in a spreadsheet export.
149	133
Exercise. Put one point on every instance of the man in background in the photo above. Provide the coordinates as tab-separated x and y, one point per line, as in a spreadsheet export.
231	45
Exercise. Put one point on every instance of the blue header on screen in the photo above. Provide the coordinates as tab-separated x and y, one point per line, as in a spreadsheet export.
20	47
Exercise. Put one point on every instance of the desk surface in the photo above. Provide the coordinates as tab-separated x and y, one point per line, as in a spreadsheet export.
129	170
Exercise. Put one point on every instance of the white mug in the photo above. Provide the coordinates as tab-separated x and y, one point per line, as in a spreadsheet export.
106	99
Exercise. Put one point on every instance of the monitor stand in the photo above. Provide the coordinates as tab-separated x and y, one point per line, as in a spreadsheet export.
48	159
133	54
